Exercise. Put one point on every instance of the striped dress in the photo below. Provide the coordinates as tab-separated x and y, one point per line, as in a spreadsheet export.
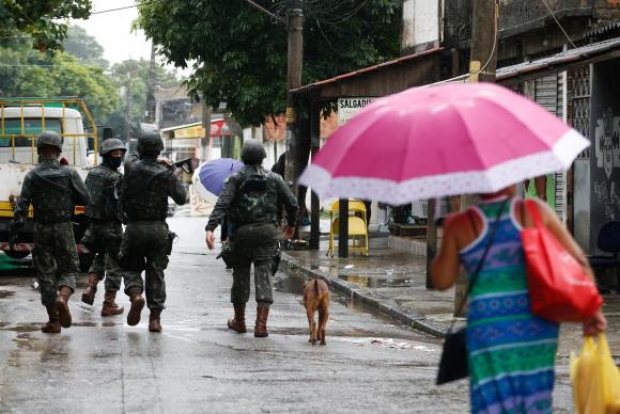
511	352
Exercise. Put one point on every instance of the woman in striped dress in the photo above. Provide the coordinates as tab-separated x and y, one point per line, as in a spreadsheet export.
511	352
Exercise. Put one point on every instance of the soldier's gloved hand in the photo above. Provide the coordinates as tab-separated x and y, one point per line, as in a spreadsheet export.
13	240
13	237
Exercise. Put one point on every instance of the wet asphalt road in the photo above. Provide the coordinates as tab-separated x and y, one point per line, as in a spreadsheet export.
101	365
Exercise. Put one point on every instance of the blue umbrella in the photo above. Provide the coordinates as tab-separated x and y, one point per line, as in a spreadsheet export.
211	175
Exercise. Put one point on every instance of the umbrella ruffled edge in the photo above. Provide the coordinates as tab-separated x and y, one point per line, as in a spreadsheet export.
560	158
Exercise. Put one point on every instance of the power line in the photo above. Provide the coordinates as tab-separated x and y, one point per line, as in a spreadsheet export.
264	10
124	7
558	23
26	65
467	76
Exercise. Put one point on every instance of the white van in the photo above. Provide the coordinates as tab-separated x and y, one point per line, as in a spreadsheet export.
21	121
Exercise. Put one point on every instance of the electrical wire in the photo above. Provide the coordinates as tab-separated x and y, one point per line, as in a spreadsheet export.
558	23
124	7
264	10
495	41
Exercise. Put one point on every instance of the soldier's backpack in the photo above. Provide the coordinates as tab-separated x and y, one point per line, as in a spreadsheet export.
255	201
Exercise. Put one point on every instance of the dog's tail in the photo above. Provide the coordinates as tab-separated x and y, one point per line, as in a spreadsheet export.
316	287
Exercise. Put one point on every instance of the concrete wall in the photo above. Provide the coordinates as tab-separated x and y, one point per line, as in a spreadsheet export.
421	24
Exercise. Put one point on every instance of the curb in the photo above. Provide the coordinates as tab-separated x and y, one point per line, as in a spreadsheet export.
416	320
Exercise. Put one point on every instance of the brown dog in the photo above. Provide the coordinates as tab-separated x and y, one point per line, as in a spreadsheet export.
316	297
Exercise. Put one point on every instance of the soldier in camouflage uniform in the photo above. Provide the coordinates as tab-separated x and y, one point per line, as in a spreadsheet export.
53	190
253	198
147	243
104	235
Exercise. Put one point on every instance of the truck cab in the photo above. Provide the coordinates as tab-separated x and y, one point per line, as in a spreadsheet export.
21	121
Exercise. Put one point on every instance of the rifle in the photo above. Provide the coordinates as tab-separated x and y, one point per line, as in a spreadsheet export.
185	164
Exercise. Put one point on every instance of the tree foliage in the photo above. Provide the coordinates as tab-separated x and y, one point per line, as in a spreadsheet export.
84	47
239	53
132	78
42	19
28	72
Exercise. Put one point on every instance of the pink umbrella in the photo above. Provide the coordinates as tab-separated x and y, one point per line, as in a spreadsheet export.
443	140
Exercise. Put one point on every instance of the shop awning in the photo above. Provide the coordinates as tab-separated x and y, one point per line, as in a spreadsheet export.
584	55
219	128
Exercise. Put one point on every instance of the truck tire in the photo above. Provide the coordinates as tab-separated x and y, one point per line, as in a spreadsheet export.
13	254
85	261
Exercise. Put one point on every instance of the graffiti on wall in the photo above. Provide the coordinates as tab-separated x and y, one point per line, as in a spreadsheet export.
607	153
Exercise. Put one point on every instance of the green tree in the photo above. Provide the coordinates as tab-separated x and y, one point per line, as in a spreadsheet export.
84	47
28	72
132	78
239	53
42	19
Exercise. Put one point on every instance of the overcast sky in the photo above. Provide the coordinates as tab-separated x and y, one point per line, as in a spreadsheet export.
113	31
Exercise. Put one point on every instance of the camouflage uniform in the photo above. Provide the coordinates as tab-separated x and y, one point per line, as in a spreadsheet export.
253	198
104	235
146	244
53	190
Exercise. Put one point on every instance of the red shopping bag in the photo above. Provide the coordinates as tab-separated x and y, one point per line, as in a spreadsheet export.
560	291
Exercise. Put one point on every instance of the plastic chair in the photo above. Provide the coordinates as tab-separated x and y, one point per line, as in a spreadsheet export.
608	241
358	227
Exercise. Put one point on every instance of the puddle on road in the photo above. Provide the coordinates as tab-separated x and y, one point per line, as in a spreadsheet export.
390	343
6	293
25	327
294	284
376	280
287	284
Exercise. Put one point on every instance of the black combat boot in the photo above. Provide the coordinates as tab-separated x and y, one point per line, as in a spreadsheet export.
155	320
137	303
88	296
260	329
62	304
53	325
110	308
237	323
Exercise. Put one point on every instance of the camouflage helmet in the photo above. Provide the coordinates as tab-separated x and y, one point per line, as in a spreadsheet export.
110	145
49	138
253	152
150	142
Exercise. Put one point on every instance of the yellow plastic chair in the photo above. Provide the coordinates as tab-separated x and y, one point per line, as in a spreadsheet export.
358	227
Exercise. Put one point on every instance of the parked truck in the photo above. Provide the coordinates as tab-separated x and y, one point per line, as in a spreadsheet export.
21	121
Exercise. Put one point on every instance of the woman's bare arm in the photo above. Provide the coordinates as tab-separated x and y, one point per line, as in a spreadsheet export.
445	266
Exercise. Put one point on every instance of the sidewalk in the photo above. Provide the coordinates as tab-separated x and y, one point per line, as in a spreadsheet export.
390	280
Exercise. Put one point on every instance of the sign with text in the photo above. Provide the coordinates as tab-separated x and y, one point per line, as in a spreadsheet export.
348	107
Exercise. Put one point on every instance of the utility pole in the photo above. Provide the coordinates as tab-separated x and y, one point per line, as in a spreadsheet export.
295	23
128	109
150	89
483	49
482	66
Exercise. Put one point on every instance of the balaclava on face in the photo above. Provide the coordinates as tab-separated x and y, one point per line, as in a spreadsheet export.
113	162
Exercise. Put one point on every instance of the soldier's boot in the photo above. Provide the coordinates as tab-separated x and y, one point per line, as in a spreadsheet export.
62	304
88	296
155	320
110	308
260	329
53	325
137	303
237	323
